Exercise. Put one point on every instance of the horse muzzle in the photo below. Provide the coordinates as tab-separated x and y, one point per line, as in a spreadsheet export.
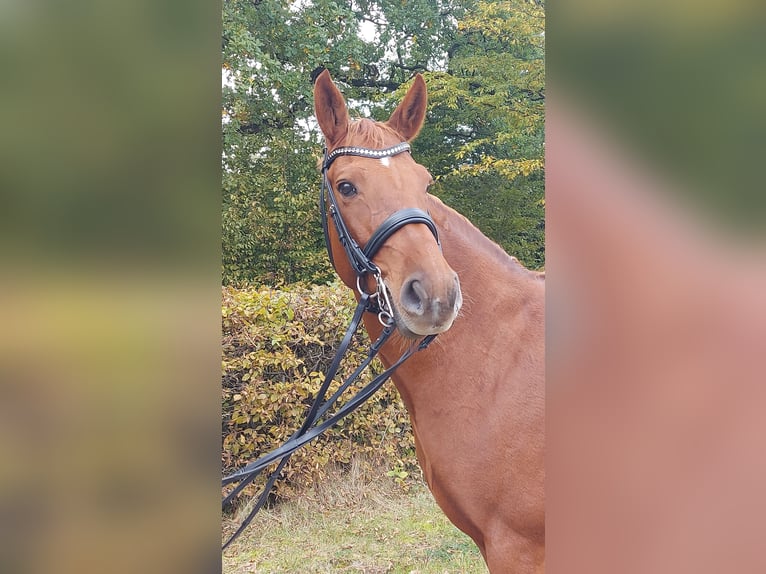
426	306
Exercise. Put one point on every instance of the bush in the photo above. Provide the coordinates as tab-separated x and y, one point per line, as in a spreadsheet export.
276	346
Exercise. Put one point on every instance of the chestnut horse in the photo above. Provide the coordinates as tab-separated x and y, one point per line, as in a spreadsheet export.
476	395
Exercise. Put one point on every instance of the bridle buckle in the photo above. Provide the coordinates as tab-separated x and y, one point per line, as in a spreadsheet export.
380	296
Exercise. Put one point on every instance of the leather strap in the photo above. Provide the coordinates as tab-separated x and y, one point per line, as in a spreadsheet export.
361	260
364	152
395	222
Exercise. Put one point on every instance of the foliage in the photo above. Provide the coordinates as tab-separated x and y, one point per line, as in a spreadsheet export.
270	221
276	345
483	63
484	138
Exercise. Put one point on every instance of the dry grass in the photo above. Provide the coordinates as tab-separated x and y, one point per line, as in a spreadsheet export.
354	524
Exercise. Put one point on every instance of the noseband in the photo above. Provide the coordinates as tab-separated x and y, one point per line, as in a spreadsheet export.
361	258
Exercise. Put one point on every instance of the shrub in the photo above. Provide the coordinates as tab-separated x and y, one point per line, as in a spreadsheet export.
276	346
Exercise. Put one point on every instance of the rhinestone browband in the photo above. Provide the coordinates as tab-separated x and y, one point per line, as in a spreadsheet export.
365	152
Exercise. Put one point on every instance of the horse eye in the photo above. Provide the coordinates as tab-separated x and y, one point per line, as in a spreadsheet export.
346	189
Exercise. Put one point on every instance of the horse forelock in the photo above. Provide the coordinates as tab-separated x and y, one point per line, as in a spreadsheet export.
369	133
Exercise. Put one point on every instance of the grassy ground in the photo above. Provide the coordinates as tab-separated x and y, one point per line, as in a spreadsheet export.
369	528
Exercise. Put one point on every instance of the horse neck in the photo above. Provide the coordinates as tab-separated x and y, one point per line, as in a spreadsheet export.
480	263
485	272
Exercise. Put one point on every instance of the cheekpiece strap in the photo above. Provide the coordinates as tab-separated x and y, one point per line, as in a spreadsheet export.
365	152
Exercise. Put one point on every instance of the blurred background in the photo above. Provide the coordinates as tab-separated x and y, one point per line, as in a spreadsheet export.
655	132
109	289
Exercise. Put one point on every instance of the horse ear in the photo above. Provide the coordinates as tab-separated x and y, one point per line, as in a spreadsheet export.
408	116
330	109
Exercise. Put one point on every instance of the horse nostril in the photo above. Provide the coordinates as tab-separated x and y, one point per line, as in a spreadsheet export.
412	296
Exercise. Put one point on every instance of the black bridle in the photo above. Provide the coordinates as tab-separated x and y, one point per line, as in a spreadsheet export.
376	302
361	259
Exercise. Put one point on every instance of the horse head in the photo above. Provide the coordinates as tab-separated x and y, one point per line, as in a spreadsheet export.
424	290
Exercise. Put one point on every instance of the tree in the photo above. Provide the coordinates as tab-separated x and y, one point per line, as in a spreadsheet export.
484	137
483	65
269	148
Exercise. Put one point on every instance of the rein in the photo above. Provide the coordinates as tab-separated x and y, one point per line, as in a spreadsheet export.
376	302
